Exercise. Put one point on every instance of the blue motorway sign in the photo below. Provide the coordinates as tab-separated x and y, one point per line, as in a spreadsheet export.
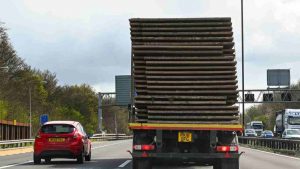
44	118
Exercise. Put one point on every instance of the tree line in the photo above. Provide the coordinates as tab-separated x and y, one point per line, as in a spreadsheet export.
19	81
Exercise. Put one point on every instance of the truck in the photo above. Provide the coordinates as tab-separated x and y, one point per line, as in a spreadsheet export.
258	126
287	119
184	92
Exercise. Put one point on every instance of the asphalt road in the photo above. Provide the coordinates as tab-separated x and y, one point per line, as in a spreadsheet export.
113	155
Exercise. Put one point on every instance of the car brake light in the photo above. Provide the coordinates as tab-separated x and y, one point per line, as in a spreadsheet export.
227	148
144	147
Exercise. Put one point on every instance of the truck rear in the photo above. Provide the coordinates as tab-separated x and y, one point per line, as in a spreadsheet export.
185	89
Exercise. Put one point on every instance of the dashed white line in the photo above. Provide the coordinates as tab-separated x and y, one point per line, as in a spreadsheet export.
124	164
13	165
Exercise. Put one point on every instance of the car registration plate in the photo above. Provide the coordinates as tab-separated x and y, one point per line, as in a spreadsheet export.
184	137
56	139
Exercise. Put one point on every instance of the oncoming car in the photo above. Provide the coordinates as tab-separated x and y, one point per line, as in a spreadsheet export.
291	134
267	134
62	139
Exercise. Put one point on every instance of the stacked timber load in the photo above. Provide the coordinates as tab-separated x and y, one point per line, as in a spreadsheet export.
184	70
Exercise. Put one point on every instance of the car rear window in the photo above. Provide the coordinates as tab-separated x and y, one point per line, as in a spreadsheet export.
57	128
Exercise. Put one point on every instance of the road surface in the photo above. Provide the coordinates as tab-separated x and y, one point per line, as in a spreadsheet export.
113	155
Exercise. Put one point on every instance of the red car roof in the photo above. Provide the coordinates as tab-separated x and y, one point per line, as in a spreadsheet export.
62	122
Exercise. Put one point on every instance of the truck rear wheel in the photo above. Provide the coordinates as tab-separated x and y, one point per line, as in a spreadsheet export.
227	164
141	164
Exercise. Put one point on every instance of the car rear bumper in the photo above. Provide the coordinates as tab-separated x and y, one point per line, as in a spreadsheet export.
57	151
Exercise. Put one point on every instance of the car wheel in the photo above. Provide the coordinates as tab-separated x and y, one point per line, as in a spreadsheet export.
88	157
48	160
80	158
36	159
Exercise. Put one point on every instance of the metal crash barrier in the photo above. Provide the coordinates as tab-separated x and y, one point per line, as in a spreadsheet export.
272	143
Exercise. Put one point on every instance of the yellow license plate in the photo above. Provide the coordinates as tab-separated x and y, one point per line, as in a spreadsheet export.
184	137
56	139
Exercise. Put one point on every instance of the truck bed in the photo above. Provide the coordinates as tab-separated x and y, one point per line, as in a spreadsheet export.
162	126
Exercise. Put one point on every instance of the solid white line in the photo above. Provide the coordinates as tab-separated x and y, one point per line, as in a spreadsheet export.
280	155
13	165
109	145
124	164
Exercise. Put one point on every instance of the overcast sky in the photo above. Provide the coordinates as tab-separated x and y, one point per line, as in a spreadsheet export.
85	41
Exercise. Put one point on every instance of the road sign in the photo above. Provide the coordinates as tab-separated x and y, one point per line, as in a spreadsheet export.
278	77
44	118
123	88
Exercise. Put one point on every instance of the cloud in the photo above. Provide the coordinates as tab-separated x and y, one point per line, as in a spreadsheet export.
89	41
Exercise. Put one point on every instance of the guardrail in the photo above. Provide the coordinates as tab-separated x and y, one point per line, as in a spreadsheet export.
272	143
16	143
29	142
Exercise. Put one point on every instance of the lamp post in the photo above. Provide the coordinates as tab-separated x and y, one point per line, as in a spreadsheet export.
243	73
30	112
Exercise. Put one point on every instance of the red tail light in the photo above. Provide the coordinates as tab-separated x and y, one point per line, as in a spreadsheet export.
75	136
227	148
144	147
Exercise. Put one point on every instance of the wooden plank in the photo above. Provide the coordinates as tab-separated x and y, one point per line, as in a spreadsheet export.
231	87
184	67
177	47
183	34
155	107
193	122
223	92
186	102
167	77
194	118
183	97
180	24
183	82
178	52
192	112
157	72
182	29
180	20
205	63
186	58
203	39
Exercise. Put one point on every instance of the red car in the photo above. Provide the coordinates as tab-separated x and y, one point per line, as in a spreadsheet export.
62	139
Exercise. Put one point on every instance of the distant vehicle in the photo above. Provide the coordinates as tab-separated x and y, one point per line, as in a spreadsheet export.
267	134
287	119
258	126
62	139
250	133
291	134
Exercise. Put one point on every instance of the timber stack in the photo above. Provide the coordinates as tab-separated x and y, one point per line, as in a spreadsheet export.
184	70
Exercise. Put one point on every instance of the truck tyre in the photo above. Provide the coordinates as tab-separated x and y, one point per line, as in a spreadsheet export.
141	164
227	164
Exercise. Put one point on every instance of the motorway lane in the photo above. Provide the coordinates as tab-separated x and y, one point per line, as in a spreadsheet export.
113	155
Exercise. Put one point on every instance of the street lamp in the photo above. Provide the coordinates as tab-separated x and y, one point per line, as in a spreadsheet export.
30	113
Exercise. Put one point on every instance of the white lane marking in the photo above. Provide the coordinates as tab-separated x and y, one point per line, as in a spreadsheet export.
109	145
124	164
13	165
280	155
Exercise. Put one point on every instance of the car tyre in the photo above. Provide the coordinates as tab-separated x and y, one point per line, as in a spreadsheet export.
141	164
36	159
227	164
47	160
88	157
80	158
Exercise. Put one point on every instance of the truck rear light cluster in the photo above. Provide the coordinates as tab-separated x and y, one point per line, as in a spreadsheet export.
227	148
144	147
